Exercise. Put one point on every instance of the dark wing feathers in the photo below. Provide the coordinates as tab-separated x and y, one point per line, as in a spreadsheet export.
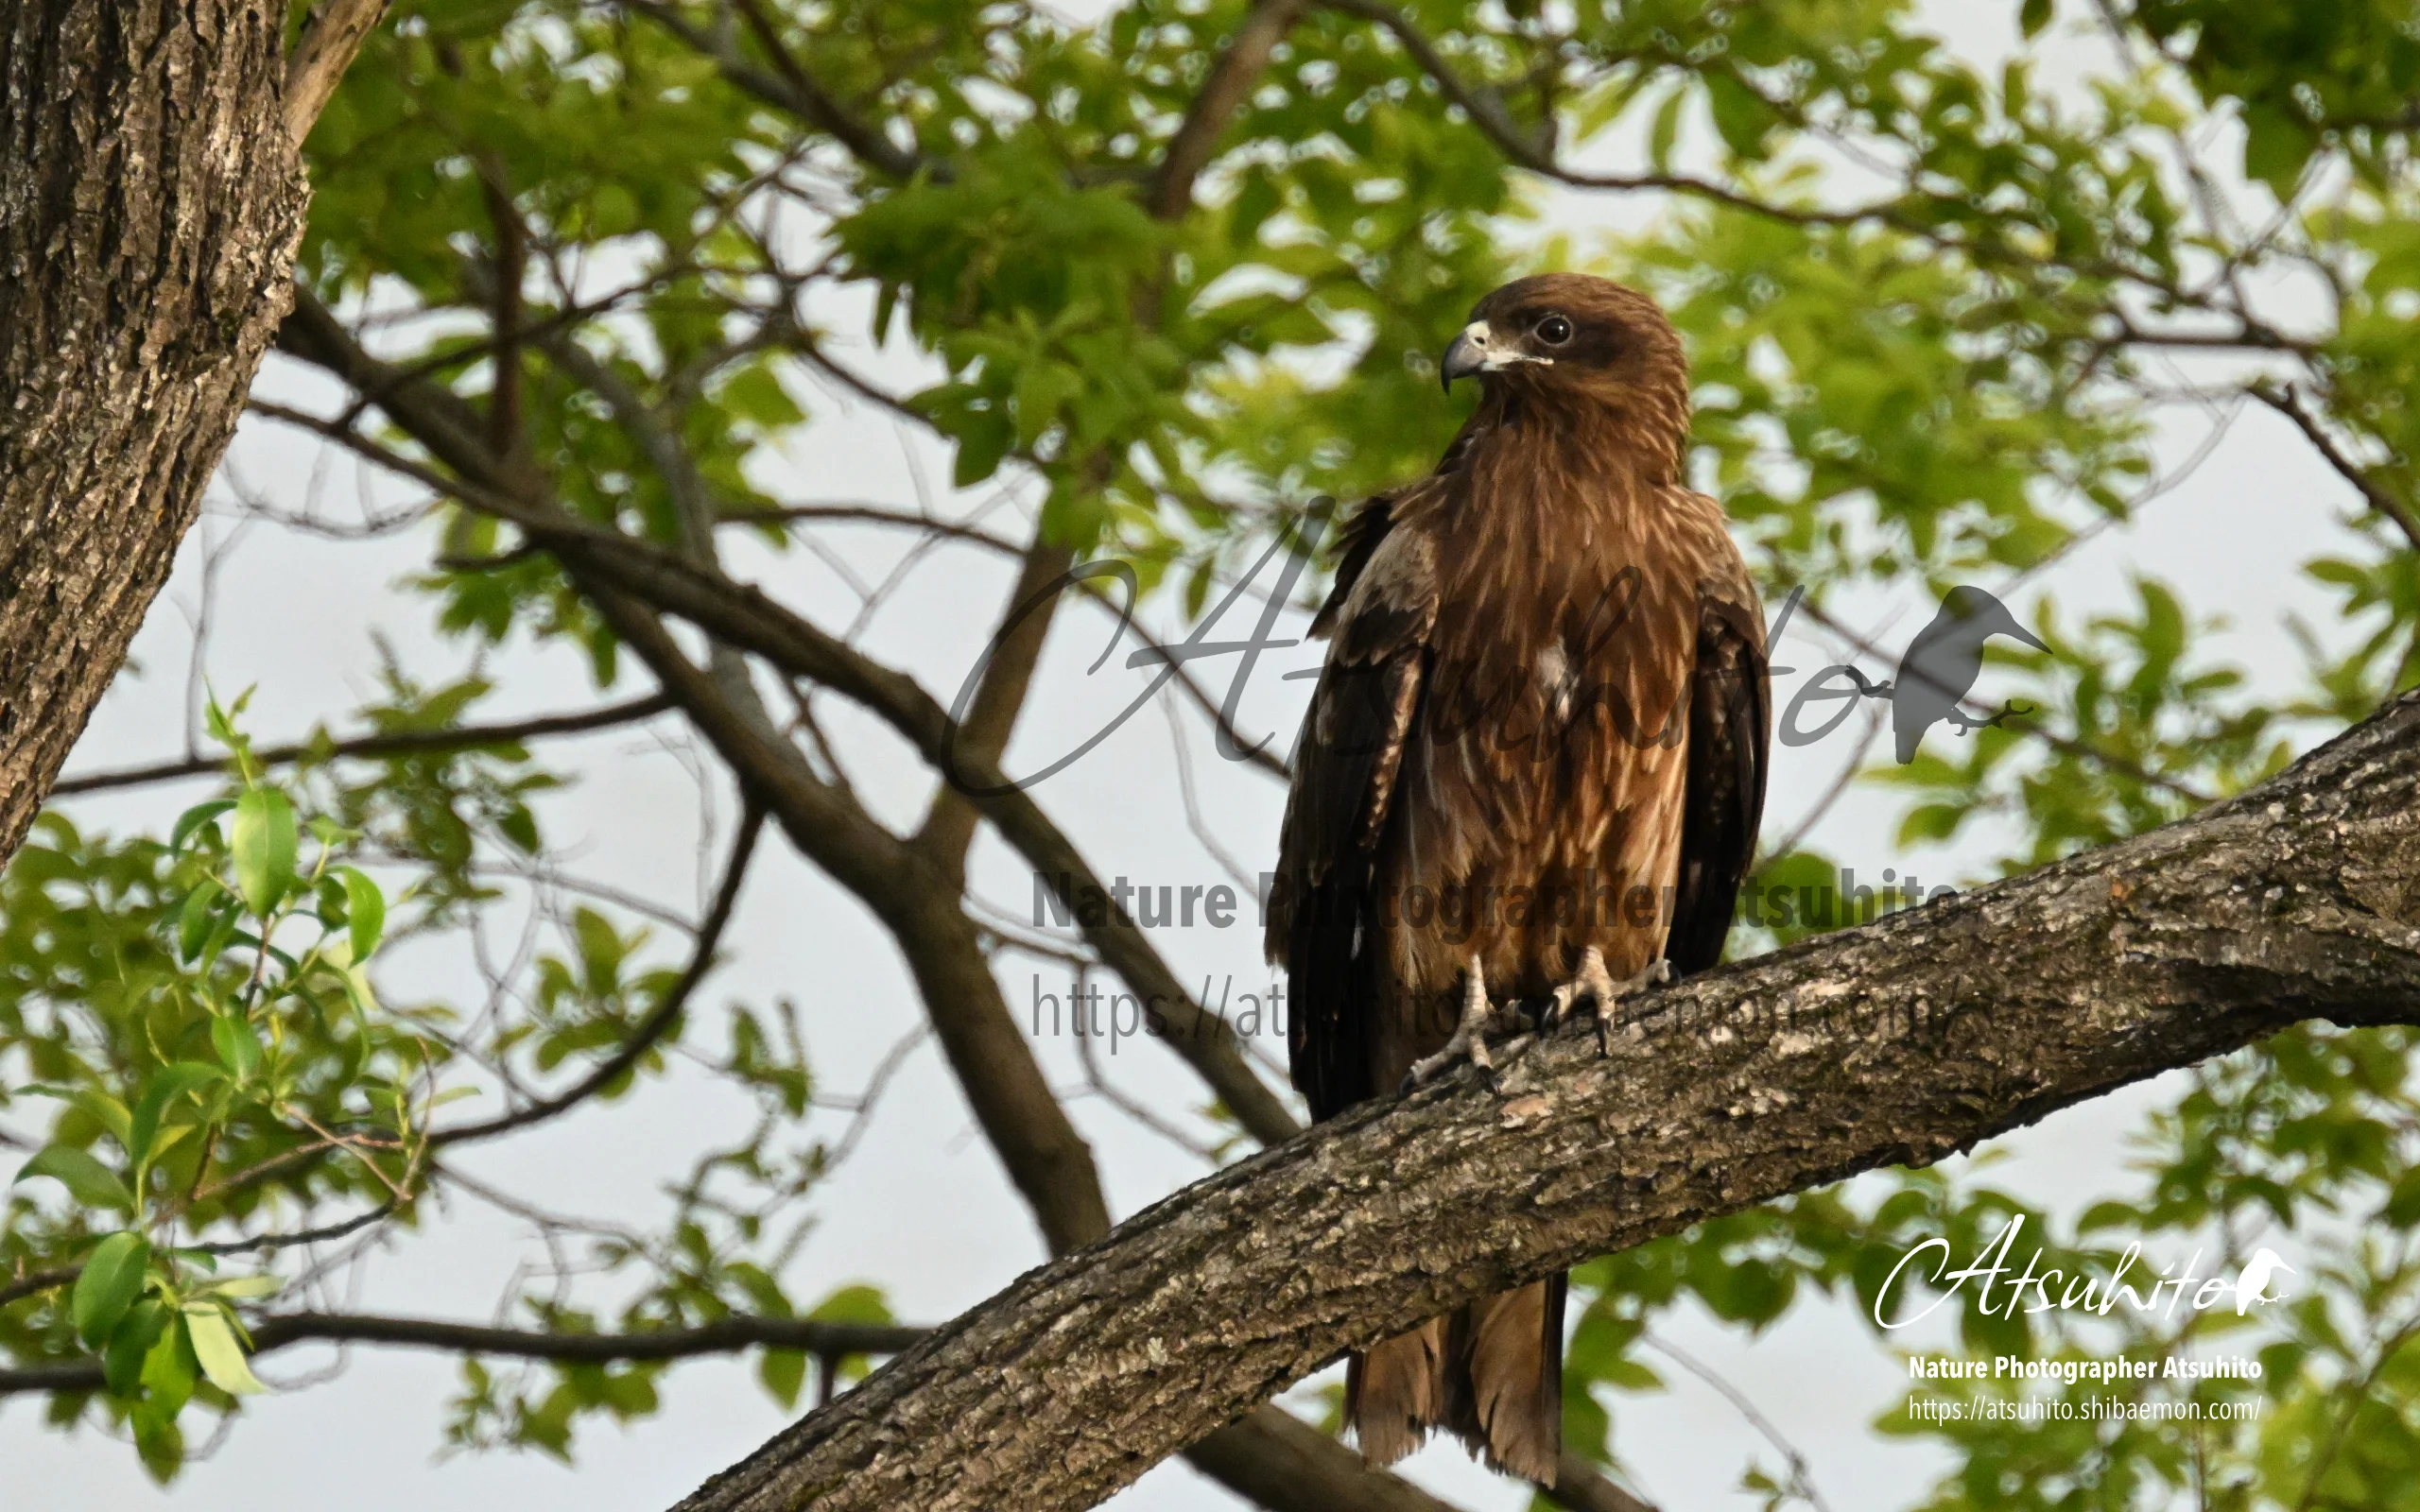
1730	732
1380	615
1356	540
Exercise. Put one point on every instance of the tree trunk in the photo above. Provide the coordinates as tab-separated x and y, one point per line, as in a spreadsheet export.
150	205
1899	1043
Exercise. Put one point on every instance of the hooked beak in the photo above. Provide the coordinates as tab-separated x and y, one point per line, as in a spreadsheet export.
1475	352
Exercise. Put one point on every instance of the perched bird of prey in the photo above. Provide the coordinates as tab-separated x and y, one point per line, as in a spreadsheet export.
1532	771
1941	665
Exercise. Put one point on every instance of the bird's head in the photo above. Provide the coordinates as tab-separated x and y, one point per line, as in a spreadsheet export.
1979	615
1580	346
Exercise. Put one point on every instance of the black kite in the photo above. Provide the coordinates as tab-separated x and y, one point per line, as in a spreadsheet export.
1532	771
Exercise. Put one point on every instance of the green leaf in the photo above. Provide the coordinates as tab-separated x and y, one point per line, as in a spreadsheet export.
783	1372
238	1047
365	911
169	1370
215	1347
111	1281
1666	131
189	823
179	1078
2275	146
2033	16
196	918
247	1287
856	1302
264	846
104	1110
86	1179
1739	115
2403	1203
122	1362
984	436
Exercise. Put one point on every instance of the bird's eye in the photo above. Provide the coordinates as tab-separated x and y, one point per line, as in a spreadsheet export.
1554	330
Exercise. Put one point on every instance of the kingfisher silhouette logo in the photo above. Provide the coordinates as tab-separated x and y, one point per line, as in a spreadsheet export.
1933	680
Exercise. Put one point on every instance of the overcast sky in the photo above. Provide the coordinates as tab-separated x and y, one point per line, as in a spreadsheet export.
920	1207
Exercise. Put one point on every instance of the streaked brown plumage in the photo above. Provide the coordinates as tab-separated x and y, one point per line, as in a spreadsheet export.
1544	689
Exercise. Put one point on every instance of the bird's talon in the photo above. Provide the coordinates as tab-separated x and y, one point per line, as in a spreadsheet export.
1469	1041
1594	983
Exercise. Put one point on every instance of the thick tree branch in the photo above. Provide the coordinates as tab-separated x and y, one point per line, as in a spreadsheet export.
745	617
1901	1042
1015	650
401	743
1231	78
1046	1159
330	39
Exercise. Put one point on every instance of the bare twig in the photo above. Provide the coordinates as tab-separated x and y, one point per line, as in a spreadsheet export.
2286	402
649	1029
1800	1484
723	1336
37	1280
401	743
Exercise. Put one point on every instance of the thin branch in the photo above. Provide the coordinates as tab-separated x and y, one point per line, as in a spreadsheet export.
808	99
1831	795
2287	403
877	515
649	1029
1800	1484
723	1336
1488	115
401	743
37	1280
308	1236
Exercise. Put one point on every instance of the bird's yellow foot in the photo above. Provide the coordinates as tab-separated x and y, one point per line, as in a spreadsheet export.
1469	1033
1593	982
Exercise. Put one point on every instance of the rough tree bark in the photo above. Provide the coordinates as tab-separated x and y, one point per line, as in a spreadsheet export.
150	203
1899	1043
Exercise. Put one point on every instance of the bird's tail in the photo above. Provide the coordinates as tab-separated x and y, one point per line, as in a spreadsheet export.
1491	1373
